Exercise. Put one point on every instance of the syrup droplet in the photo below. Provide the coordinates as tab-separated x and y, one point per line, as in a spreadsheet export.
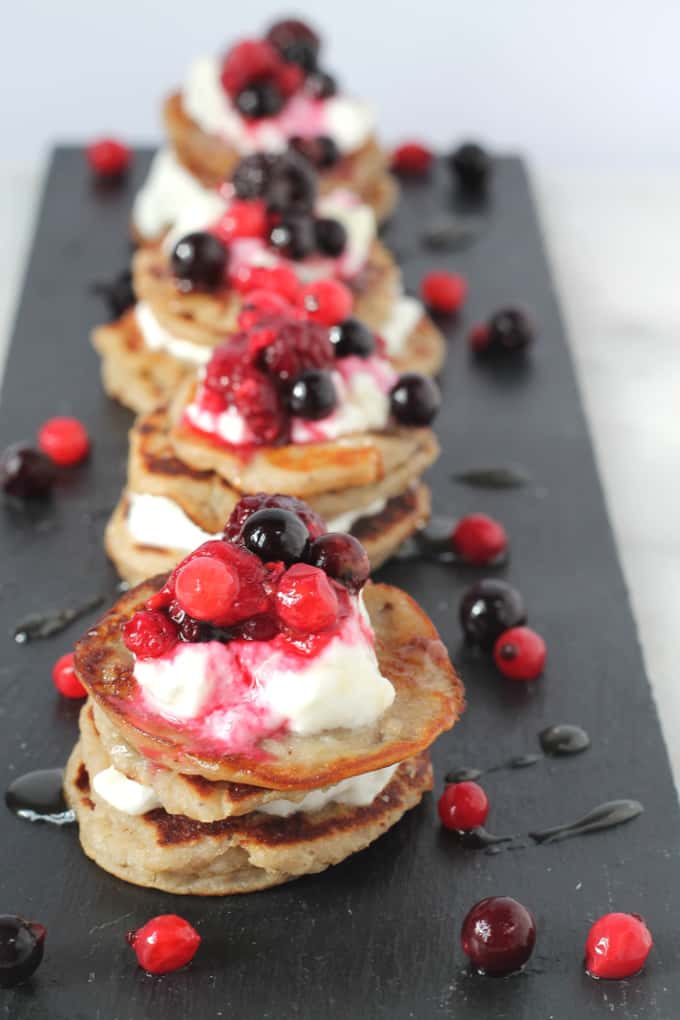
606	816
463	775
564	739
39	797
523	761
481	839
45	625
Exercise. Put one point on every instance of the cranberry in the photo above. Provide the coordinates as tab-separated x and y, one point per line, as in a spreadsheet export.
352	337
322	152
242	219
331	237
108	158
297	347
509	330
296	42
463	806
249	61
472	166
498	935
275	535
260	99
252	597
149	634
205	587
411	159
444	292
306	600
199	261
247	506
279	279
519	653
22	944
342	557
479	539
294	237
65	679
64	440
251	176
26	473
164	943
321	85
259	305
326	301
258	628
291	184
415	399
312	395
617	946
488	608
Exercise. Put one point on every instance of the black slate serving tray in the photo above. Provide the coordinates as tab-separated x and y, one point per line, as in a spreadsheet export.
378	936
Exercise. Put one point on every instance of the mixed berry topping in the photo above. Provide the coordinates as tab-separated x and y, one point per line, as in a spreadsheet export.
26	473
326	301
165	943
471	166
488	608
296	42
411	159
498	935
248	505
64	440
275	534
312	395
342	557
199	261
519	653
322	151
508	331
479	539
65	679
108	158
415	399
617	946
150	634
22	944
306	599
444	292
463	806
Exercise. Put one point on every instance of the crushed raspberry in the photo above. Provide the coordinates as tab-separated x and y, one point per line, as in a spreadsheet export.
64	440
444	292
232	374
108	158
65	679
281	279
258	305
297	346
149	634
306	601
246	62
242	219
326	301
290	78
206	587
165	943
250	504
412	159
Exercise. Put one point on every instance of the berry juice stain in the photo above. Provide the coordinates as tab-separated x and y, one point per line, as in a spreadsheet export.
39	797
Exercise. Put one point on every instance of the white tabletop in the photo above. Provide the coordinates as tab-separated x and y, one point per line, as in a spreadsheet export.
612	238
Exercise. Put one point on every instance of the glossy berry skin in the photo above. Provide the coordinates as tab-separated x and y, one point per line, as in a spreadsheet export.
519	653
199	261
291	185
205	587
306	601
471	166
296	42
259	305
165	943
149	634
260	99
326	301
251	176
295	348
411	159
509	330
26	473
64	440
498	935
415	399
617	946
330	237
247	506
279	279
242	219
342	557
65	679
22	944
352	337
321	85
463	806
275	535
312	395
479	539
294	237
488	608
108	158
444	292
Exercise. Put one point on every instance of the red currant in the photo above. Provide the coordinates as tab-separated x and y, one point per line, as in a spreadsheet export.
65	679
306	600
164	943
280	279
519	653
479	539
206	587
108	158
326	301
149	634
412	159
463	806
64	440
498	935
444	292
259	305
478	337
242	219
617	946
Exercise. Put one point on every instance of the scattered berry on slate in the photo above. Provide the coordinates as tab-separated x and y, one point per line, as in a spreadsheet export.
108	158
22	944
617	946
165	943
411	159
488	608
444	292
26	473
479	539
463	806
64	440
519	653
498	935
65	679
471	166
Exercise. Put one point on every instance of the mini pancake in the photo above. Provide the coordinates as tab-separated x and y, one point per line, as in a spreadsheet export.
212	160
429	699
236	855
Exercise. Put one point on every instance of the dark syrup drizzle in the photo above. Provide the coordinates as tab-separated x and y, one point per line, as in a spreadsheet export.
560	740
44	625
605	816
39	797
510	477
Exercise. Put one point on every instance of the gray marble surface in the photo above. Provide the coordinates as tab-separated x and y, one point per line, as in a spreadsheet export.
612	237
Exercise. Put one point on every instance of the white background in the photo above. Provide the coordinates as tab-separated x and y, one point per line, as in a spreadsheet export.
562	80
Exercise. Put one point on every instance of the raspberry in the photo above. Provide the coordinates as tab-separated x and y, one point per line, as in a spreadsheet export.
251	504
206	587
519	653
326	301
412	159
298	346
444	292
260	305
252	598
306	601
65	679
463	806
617	946
232	374
289	79
246	62
280	279
108	158
479	539
64	440
164	943
242	219
149	634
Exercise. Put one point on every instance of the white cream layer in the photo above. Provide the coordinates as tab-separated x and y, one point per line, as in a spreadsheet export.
168	189
126	795
404	316
157	338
